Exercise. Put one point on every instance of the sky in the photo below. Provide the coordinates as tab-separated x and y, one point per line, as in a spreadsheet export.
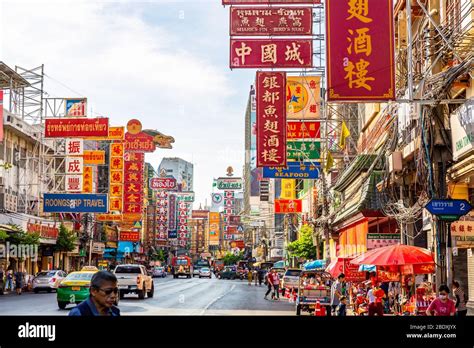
163	62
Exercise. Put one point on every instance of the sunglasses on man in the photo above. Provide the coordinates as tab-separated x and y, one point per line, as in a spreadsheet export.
109	291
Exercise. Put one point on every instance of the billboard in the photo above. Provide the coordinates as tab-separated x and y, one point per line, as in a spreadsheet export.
130	236
288	206
96	157
303	130
271	53
357	68
74	203
303	97
271	21
298	150
76	127
75	107
294	170
136	140
87	181
271	119
74	147
172	212
163	183
229	183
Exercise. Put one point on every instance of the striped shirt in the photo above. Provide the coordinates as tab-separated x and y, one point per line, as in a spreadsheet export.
462	305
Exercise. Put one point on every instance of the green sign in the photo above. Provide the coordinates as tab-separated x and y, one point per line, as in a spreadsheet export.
229	183
449	218
82	252
185	196
303	150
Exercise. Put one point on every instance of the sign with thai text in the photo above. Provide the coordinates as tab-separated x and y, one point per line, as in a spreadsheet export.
294	170
76	127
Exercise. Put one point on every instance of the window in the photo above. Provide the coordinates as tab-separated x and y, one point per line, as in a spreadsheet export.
128	269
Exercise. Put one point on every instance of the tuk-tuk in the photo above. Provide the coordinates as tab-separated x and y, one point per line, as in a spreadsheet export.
313	287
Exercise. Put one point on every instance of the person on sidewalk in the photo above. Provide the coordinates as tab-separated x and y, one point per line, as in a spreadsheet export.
261	275
9	281
375	295
255	276
249	276
336	292
269	285
19	281
276	285
442	305
461	299
2	281
102	296
342	307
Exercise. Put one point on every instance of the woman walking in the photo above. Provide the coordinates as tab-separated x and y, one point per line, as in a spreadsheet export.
19	278
249	277
461	300
442	305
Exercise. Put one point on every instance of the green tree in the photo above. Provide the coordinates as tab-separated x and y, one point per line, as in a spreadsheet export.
3	235
303	247
65	242
21	237
231	259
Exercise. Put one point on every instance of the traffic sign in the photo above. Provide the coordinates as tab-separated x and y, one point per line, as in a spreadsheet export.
240	228
457	207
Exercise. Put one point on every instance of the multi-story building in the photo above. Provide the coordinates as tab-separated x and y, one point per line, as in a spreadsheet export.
179	169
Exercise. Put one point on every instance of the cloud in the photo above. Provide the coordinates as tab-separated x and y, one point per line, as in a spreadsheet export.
131	65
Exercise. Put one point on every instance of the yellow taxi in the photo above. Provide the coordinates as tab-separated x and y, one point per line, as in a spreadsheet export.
75	287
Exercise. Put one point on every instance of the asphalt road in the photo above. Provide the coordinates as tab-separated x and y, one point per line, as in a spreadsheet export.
172	297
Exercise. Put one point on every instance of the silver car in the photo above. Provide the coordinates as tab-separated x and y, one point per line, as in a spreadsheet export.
48	280
205	272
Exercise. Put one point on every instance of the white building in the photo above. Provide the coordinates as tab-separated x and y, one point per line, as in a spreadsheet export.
179	169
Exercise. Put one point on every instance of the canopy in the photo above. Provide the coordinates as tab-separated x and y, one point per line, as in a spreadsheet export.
316	264
342	265
395	255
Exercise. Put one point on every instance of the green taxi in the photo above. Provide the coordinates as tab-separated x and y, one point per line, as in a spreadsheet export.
75	287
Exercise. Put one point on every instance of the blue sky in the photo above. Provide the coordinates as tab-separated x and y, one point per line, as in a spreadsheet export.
163	62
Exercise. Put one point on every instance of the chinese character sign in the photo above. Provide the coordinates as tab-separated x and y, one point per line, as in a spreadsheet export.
271	119
360	50
271	53
74	165
282	21
74	147
302	97
116	182
161	215
87	179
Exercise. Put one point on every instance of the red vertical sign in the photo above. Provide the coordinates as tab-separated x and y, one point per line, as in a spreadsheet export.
360	50
271	119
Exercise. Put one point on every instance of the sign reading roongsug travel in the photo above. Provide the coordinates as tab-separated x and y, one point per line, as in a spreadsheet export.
75	203
229	183
271	21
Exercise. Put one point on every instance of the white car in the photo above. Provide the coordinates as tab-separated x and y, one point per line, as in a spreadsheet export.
205	272
196	271
48	280
291	279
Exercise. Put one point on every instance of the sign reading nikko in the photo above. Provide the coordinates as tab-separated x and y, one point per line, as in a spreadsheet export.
229	183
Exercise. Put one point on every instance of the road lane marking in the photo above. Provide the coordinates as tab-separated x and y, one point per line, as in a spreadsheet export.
216	299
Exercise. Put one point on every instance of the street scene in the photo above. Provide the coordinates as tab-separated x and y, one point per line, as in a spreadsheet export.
237	157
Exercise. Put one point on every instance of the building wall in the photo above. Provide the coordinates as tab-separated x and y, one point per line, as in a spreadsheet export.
180	169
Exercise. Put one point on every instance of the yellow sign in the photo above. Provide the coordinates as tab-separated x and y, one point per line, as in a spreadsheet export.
108	217
116	177
288	189
116	190
115	203
115	133
94	157
302	97
214	228
87	179
132	217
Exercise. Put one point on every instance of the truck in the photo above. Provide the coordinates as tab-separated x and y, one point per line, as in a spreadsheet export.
134	279
182	266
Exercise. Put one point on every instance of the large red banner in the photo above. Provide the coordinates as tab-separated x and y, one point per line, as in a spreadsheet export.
303	130
284	206
360	50
271	119
130	236
271	21
76	127
268	2
271	53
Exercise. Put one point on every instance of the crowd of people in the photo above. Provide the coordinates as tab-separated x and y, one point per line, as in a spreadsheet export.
11	280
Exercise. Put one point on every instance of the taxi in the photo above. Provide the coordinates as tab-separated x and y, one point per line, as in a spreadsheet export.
75	287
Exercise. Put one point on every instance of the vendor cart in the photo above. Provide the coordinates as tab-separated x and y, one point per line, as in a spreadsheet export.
314	291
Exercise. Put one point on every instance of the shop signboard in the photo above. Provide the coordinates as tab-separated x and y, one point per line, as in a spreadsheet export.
358	68
288	206
303	150
271	119
74	183
45	231
229	183
75	203
185	196
271	53
462	233
271	21
75	107
378	240
293	170
96	157
130	236
199	214
74	147
168	184
74	165
462	129
303	97
303	130
109	217
76	127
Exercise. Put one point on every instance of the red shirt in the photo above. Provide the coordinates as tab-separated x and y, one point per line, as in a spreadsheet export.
270	278
442	309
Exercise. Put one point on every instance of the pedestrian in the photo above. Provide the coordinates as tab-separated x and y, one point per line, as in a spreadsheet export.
375	295
269	285
260	274
276	285
442	305
461	299
336	291
255	276
9	281
102	297
342	307
249	277
19	281
2	281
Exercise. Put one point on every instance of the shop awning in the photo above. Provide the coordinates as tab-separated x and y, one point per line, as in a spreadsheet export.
316	264
359	165
368	199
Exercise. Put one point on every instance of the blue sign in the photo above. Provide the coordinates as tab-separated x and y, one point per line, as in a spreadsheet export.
294	170
75	203
172	234
457	207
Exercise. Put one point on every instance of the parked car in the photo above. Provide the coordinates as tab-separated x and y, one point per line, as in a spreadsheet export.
196	272
48	280
290	280
205	272
159	272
